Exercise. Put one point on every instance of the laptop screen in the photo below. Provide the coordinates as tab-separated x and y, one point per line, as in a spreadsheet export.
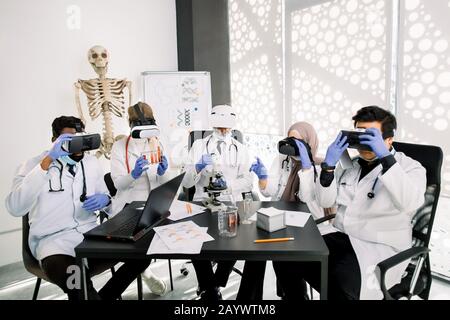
158	202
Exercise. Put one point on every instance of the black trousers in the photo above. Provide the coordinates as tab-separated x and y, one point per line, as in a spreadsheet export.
251	288
344	276
55	267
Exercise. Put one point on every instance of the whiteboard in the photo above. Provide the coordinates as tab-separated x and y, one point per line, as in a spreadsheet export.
181	102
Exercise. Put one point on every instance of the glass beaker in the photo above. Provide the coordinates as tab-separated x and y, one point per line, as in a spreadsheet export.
227	221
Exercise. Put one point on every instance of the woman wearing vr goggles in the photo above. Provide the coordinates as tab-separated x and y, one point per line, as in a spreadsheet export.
282	182
137	166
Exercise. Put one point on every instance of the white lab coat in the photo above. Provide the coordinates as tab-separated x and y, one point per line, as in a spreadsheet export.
276	184
378	228
128	188
57	219
233	162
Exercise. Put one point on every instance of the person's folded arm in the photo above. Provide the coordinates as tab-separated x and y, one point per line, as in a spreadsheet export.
27	185
326	188
272	179
192	176
119	173
100	187
406	186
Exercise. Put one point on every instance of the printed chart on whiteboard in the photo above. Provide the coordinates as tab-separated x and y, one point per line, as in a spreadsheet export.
181	102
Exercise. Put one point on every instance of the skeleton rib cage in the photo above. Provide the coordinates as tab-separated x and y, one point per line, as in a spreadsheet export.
104	95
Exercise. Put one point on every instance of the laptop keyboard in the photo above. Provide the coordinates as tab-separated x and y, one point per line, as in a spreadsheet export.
127	228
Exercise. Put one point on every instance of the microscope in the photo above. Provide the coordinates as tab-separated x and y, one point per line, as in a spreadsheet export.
217	185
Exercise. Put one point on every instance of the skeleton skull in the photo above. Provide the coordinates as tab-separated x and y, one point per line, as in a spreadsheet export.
98	58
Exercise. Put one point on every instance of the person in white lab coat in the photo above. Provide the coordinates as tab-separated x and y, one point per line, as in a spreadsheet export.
282	183
61	193
221	151
224	152
134	177
376	197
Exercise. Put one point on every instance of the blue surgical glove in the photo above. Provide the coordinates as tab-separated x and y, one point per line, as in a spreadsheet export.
96	202
259	169
162	167
304	156
203	162
140	166
57	151
375	141
335	150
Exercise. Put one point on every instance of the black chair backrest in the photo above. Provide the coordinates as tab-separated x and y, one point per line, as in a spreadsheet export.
430	157
200	134
29	261
110	184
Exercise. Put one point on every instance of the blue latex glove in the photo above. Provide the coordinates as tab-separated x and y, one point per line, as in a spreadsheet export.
304	156
96	202
259	169
57	151
140	166
375	141
336	149
203	162
162	167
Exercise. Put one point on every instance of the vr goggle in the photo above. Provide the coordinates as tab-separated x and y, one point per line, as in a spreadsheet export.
288	147
354	141
142	127
82	142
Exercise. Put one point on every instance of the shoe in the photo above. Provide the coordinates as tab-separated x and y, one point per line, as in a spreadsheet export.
211	295
156	285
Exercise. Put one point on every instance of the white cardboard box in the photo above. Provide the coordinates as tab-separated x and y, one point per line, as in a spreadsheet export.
270	219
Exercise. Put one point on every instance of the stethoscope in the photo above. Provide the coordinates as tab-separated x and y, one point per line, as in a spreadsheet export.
61	189
371	193
229	149
285	162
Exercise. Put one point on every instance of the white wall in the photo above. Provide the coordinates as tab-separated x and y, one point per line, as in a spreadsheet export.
43	50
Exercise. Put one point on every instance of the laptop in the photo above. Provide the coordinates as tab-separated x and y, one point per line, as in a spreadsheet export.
131	224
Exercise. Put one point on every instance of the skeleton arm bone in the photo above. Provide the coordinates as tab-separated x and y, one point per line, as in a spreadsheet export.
77	88
130	93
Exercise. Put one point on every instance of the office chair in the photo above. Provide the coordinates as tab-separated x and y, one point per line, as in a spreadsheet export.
188	193
32	264
417	279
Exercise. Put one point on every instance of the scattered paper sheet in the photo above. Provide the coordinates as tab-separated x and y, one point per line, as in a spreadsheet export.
181	210
296	218
182	237
157	246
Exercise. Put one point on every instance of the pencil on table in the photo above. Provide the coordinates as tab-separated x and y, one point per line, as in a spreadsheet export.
273	240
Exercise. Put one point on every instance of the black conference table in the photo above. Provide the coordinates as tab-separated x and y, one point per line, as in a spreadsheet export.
307	246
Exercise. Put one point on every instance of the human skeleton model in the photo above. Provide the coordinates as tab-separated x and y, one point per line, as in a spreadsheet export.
105	96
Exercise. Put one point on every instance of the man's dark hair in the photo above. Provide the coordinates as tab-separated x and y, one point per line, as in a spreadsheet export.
375	113
66	122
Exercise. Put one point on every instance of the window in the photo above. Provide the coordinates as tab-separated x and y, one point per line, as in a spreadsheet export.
320	61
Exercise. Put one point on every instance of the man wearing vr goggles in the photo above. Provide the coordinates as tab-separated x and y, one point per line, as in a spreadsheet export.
220	150
137	166
61	193
376	196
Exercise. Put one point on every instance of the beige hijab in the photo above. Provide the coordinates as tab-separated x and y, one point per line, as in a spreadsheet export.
309	135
